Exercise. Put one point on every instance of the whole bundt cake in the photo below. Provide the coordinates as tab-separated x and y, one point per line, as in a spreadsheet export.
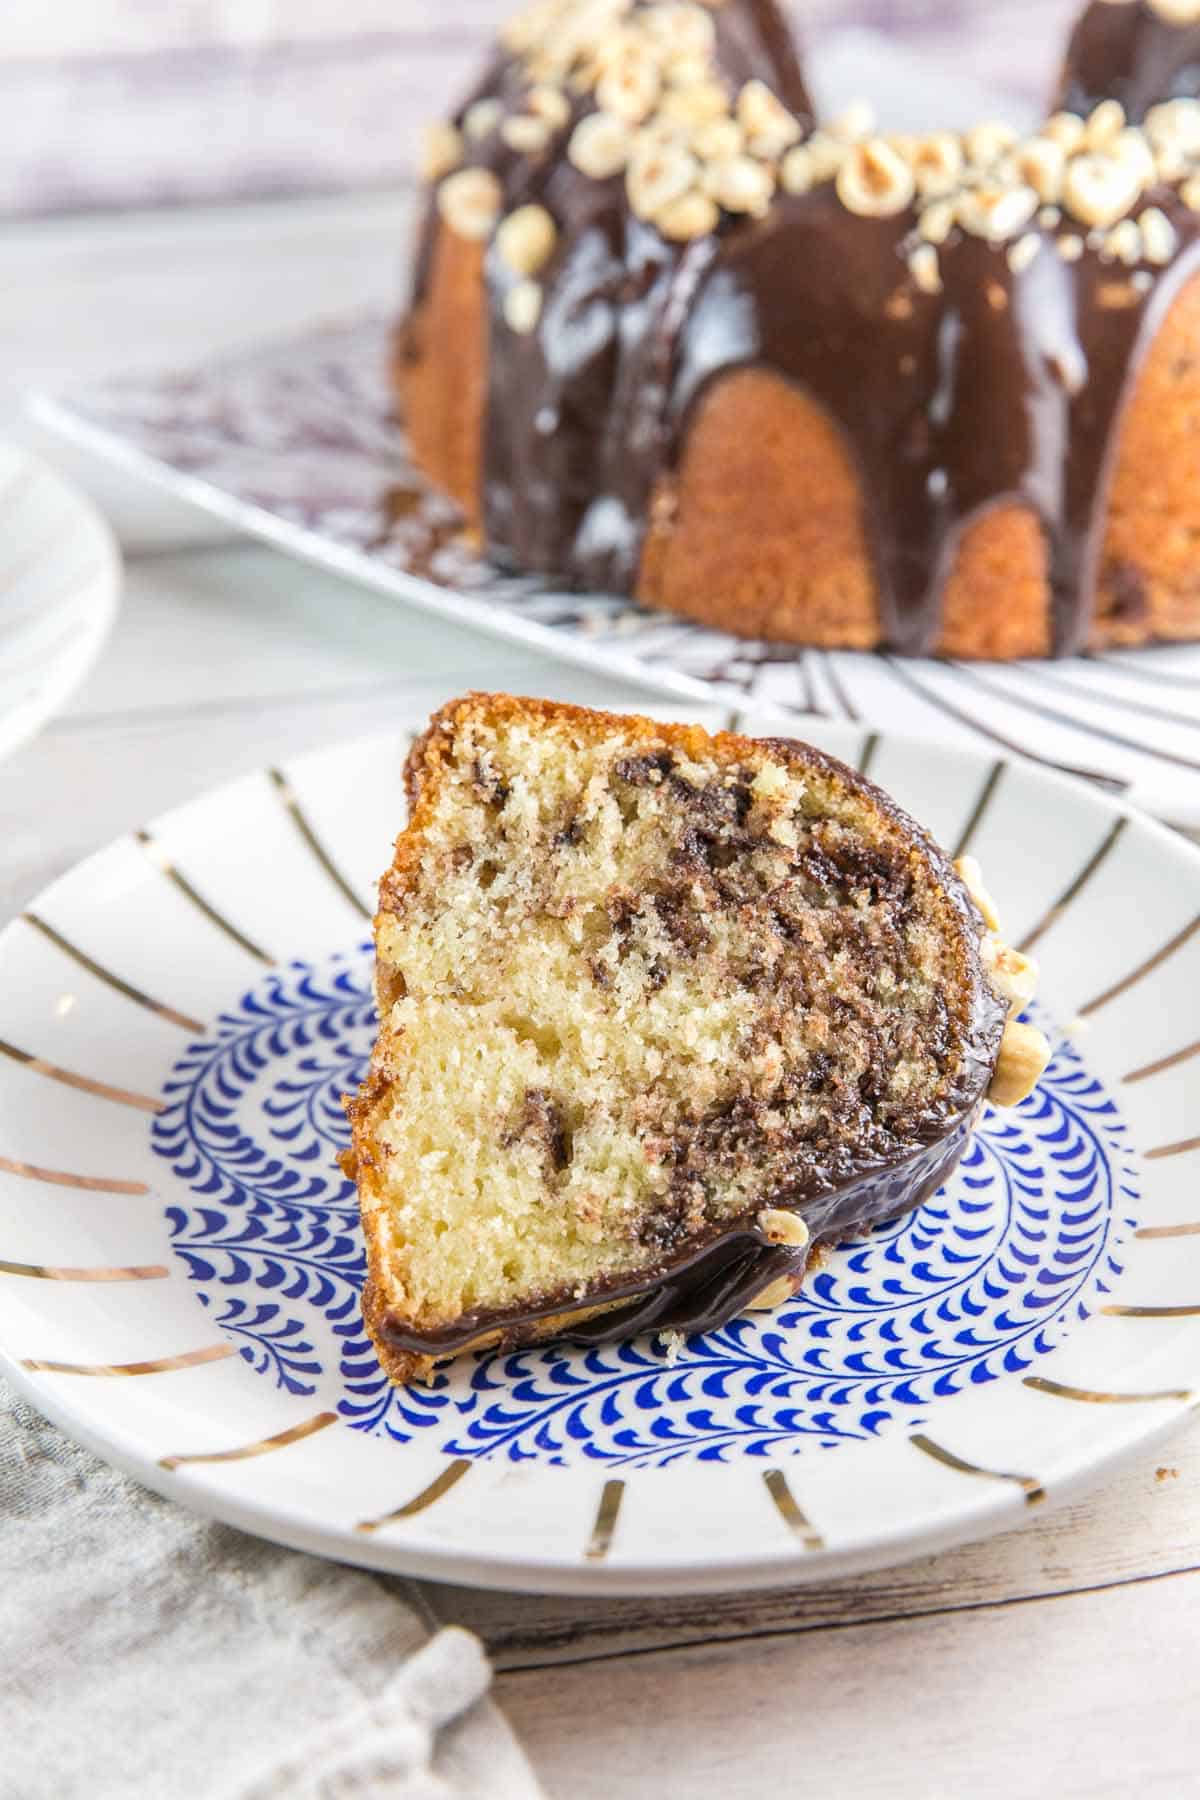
671	337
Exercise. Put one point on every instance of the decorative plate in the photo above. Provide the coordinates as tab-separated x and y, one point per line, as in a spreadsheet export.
297	442
60	575
181	1260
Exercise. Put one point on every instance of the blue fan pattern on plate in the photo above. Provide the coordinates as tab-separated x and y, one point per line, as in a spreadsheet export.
980	1282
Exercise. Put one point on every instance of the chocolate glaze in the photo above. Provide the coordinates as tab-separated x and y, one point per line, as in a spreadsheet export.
1132	54
1005	387
718	1280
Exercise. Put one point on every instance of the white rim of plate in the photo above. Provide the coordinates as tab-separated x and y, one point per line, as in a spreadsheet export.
59	591
575	1529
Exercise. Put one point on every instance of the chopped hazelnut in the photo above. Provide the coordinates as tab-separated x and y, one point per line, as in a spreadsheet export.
998	212
1160	240
971	875
1039	163
937	163
781	1227
658	176
937	221
1065	129
692	215
1024	1055
1104	124
1024	252
739	184
988	142
796	171
855	123
1177	12
469	201
526	134
1099	190
441	151
925	269
480	120
599	146
700	103
874	181
765	119
526	239
629	88
1124	243
523	307
716	138
550	104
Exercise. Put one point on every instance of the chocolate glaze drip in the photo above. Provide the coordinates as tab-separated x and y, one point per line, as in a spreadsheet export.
1005	387
718	1281
577	417
1132	54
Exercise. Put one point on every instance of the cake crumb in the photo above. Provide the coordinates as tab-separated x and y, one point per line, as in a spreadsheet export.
1164	1474
673	1343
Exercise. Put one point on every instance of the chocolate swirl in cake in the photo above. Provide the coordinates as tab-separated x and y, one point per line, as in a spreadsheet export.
974	332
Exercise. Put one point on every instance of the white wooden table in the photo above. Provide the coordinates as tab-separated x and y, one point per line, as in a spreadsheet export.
1061	1660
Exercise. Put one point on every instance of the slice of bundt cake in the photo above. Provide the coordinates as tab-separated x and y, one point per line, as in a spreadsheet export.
659	1012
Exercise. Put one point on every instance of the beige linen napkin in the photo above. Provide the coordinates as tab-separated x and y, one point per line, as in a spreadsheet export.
146	1654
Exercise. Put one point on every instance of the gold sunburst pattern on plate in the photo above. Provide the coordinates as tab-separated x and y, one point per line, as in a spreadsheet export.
312	842
85	1084
1181	1148
1063	1390
161	1365
976	815
1163	1063
441	1484
49	1272
94	1184
605	1523
1150	1312
260	1447
1032	1490
116	982
867	754
158	858
790	1510
1076	886
1146	967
